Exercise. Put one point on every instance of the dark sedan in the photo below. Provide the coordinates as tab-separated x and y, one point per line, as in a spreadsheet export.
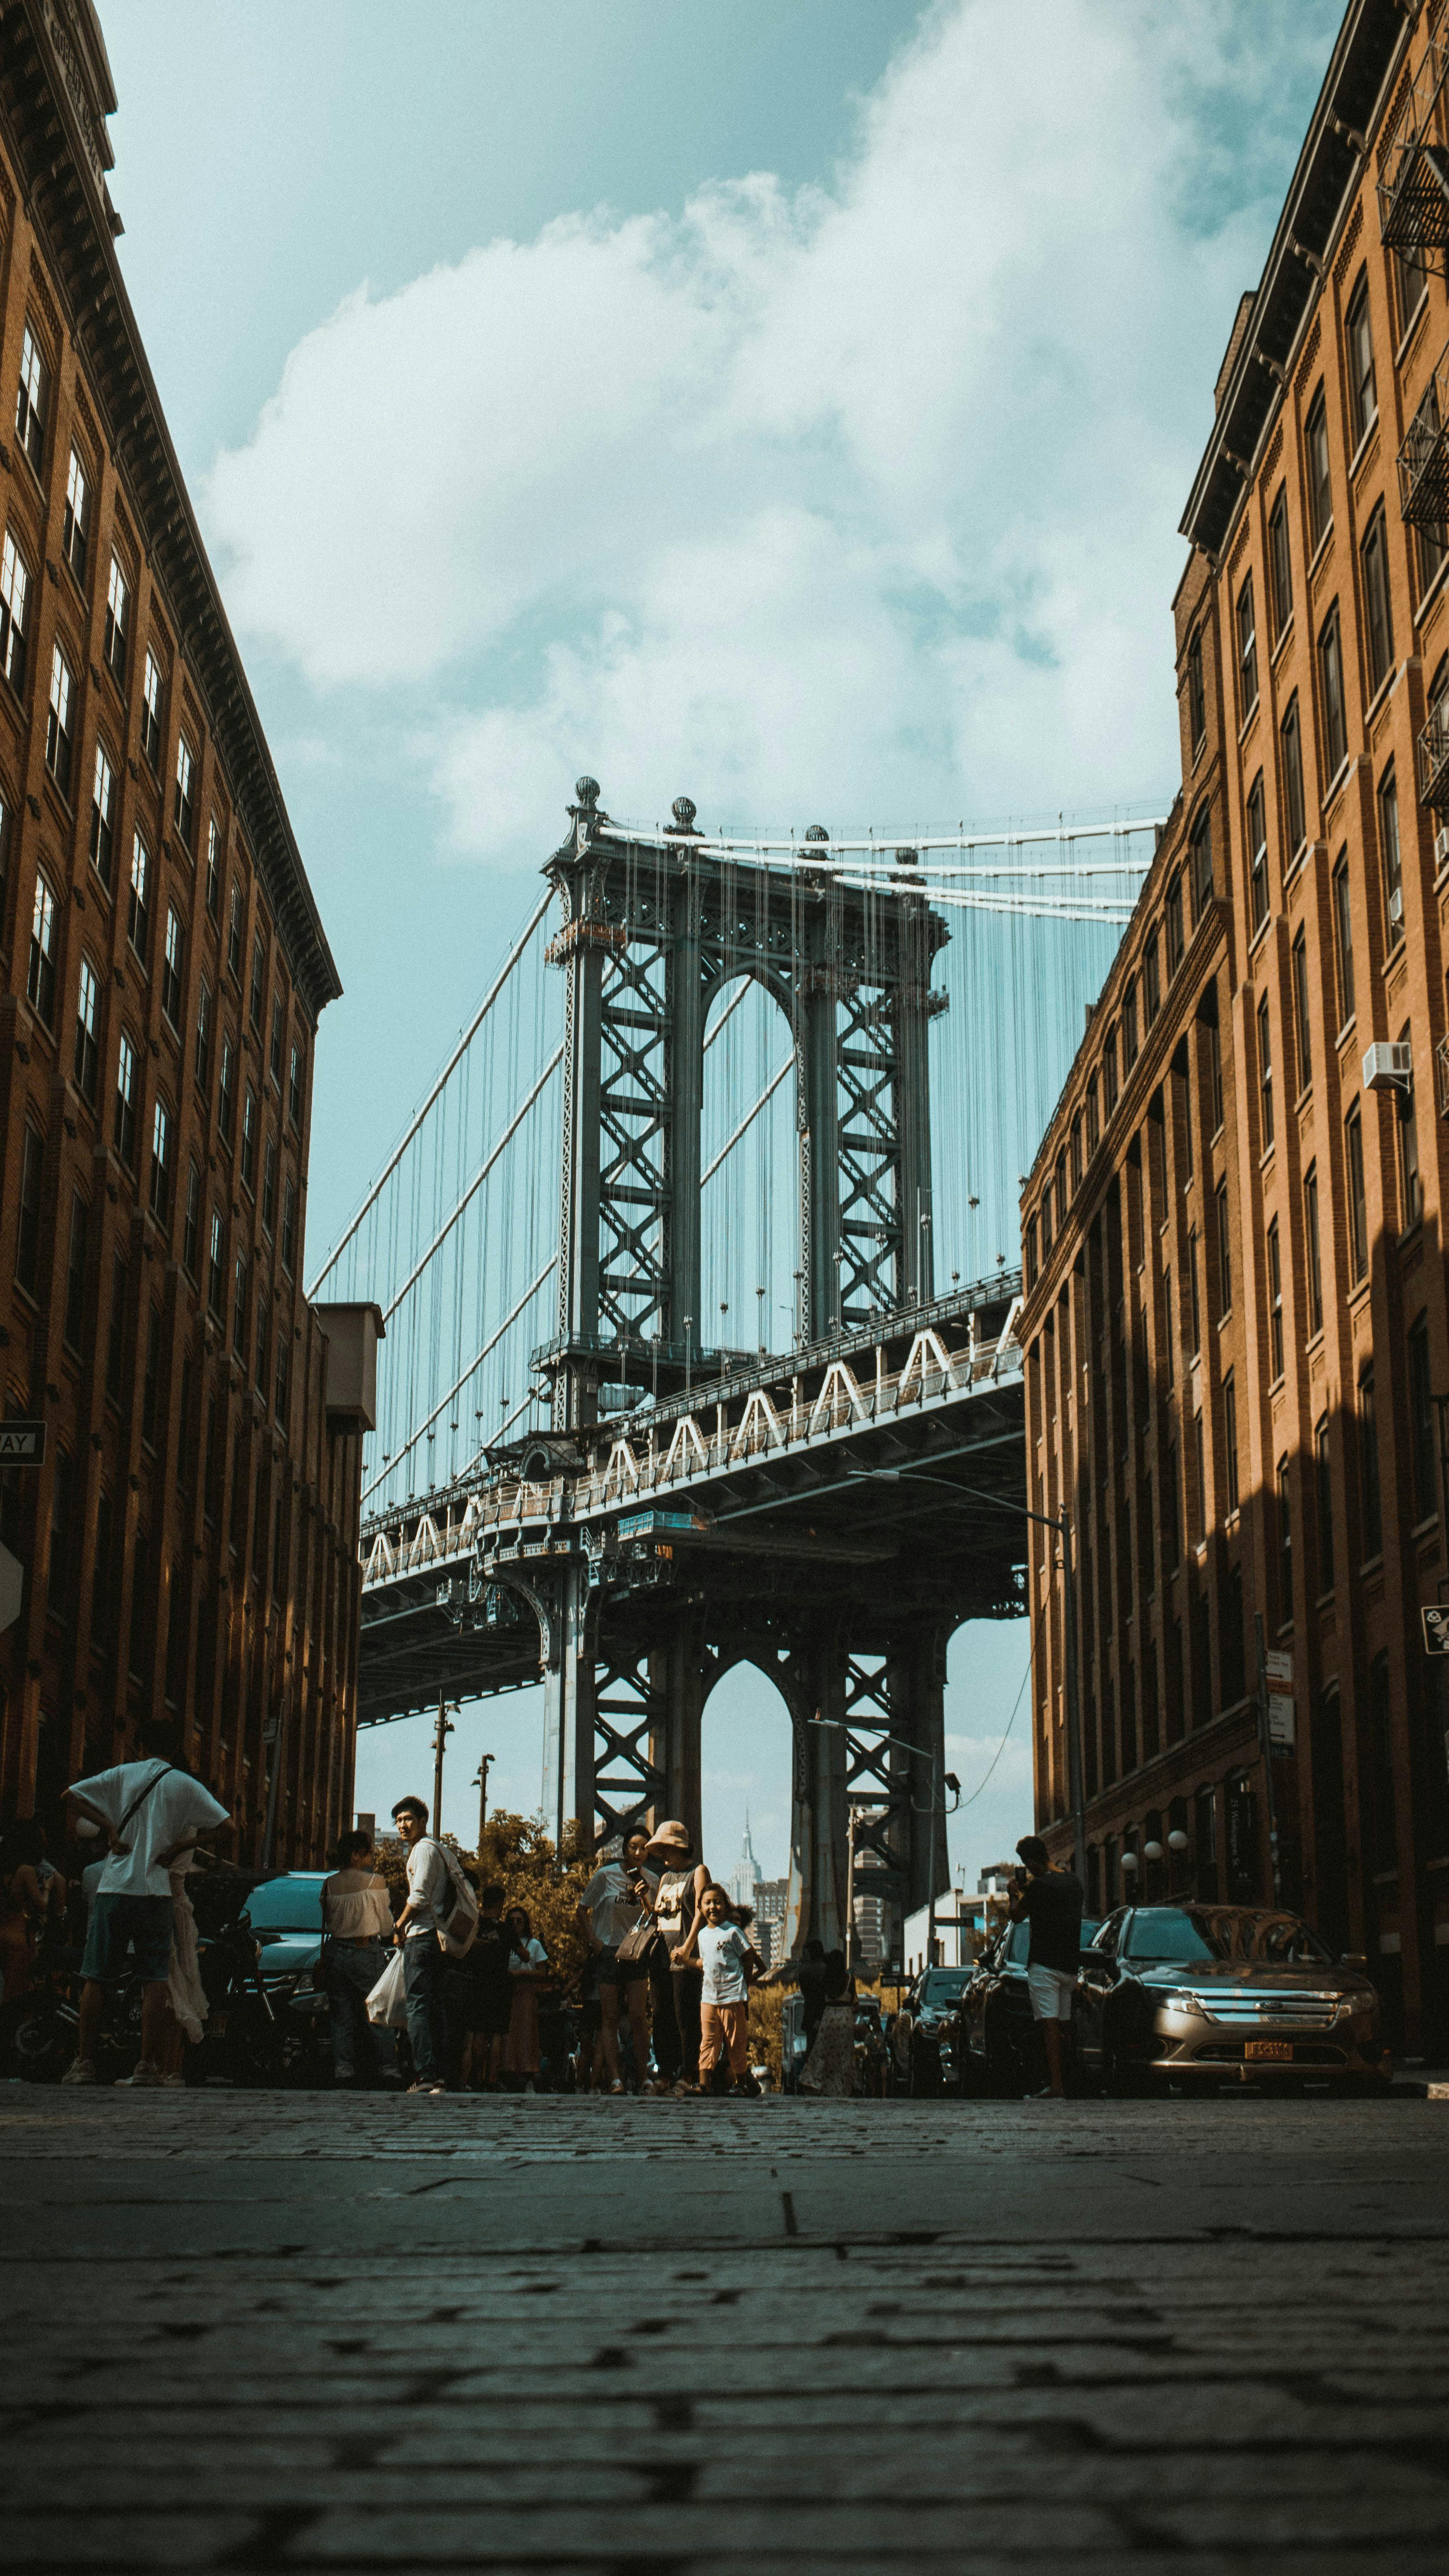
1000	2051
1204	1994
925	2036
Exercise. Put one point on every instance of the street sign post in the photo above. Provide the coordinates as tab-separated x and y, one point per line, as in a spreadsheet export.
22	1444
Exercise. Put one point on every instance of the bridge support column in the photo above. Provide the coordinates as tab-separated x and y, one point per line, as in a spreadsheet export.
915	1698
815	1905
567	1613
679	1678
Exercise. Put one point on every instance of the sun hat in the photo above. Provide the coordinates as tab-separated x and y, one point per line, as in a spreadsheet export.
671	1836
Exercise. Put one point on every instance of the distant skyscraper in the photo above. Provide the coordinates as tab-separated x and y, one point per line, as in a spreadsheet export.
745	1876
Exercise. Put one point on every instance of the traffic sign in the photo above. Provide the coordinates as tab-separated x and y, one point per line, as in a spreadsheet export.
1280	1723
1436	1629
12	1585
22	1444
1278	1665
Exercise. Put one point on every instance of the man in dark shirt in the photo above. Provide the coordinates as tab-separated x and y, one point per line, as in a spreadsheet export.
1050	1900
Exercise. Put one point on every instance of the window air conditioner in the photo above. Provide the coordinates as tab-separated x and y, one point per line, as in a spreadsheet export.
1396	904
1389	1066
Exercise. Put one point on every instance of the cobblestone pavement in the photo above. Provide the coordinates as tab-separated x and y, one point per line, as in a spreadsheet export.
280	2331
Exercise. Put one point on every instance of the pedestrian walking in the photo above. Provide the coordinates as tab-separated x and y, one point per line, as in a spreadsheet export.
829	2068
357	1933
150	1813
431	1899
27	1903
681	1886
615	1917
729	1965
528	1971
1050	1900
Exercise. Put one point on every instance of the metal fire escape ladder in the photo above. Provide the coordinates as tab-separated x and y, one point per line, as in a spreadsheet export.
1413	183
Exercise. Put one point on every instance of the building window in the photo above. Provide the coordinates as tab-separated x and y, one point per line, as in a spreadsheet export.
1291	746
1320	492
1172	1501
1225	1250
1302	1024
1392	862
1378	614
234	932
1330	680
161	1164
1151	978
151	1382
1129	1023
1194	1295
1172	913
1215	1066
289	1229
60	721
213	868
33	400
40	973
87	1012
1230	1440
284	1378
264	1340
269	1183
1359	347
1265	1072
151	711
1109	1072
1411	1196
1199	1445
184	800
1323	1499
1258	851
75	1271
295	1082
1094	1124
58	1570
14	612
1381	1717
1046	1218
259	980
118	610
274	1059
103	818
1062	1188
249	1140
1196	700
1275	1303
27	1231
1311	1249
1411	284
1370	1491
1168	1346
1202	864
1032	1256
1421	1421
172	967
216	1265
76	527
1343	940
203	1041
1285	1545
239	1304
126	1103
1357	1208
1280	563
191	1231
226	1090
1247	650
138	909
116	1333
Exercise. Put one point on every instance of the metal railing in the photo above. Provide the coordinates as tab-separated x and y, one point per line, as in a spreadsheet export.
1413	185
1433	756
1423	460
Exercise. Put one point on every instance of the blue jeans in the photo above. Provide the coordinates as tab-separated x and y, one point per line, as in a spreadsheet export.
352	1972
423	1966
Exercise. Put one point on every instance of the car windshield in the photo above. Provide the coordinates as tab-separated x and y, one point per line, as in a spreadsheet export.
1018	1946
944	1985
286	1905
1234	1933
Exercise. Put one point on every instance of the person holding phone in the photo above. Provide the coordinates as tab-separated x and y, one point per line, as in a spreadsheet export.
1050	1900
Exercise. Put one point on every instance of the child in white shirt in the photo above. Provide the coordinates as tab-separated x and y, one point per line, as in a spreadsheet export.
731	1965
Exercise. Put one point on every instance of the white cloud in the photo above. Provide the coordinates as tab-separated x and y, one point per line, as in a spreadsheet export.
859	501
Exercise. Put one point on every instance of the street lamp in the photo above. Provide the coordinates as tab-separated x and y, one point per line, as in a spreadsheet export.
480	1783
441	1733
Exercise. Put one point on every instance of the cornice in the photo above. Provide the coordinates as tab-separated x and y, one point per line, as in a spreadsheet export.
54	166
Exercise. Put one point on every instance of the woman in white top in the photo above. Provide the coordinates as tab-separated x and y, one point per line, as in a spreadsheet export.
357	1934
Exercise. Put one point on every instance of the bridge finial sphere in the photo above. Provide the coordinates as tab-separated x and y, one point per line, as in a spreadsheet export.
817	832
684	810
587	791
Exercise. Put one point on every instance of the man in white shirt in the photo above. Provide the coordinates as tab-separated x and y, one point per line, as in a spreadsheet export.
430	1902
148	1813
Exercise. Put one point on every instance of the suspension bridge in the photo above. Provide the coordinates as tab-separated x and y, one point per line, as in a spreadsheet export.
714	1059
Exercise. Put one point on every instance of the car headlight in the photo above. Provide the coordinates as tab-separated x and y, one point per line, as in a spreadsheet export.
1179	2001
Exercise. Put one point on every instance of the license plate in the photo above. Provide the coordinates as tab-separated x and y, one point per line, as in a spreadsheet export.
1276	2052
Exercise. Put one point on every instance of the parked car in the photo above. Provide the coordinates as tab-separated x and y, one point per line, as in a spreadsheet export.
1000	2051
1213	1993
925	2037
284	1915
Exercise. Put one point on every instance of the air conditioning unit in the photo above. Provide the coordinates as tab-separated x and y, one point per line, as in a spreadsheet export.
1389	1066
1396	905
1441	847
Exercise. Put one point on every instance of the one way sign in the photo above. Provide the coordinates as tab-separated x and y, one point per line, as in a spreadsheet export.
22	1444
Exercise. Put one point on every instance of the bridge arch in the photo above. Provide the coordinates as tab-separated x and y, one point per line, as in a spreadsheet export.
750	1167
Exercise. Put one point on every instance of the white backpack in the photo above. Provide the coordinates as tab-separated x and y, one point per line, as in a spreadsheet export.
459	1928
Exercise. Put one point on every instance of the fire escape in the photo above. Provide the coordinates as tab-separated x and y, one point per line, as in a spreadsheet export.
1413	190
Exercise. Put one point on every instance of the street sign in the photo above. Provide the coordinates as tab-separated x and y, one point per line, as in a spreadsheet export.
1278	1666
1436	1630
1280	1723
12	1585
22	1444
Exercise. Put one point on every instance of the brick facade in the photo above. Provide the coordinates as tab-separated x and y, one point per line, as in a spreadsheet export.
1264	1443
191	1539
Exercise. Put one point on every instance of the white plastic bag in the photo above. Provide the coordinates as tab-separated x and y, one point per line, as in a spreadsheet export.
387	2002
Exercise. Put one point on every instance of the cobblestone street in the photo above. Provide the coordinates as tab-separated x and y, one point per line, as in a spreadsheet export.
261	2331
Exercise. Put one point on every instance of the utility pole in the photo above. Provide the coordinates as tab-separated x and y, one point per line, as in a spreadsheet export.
444	1729
481	1785
850	1890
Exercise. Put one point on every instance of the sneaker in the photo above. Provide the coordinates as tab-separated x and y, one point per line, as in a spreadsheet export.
618	2085
745	2088
145	2078
82	2071
422	2087
528	2084
1046	2095
175	2083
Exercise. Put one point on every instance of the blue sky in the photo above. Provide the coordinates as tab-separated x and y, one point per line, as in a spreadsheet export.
790	401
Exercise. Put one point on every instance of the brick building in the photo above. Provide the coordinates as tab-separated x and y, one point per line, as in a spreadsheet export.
1234	1230
191	1538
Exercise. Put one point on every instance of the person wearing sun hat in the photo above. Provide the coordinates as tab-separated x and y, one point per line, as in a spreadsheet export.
682	1883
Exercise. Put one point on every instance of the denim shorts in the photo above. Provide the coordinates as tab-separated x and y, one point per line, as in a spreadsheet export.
120	1924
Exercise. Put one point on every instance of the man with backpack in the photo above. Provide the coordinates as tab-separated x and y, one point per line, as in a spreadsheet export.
438	1922
148	1813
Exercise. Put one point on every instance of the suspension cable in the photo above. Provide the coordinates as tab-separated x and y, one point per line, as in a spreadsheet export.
476	1183
748	1120
458	1384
